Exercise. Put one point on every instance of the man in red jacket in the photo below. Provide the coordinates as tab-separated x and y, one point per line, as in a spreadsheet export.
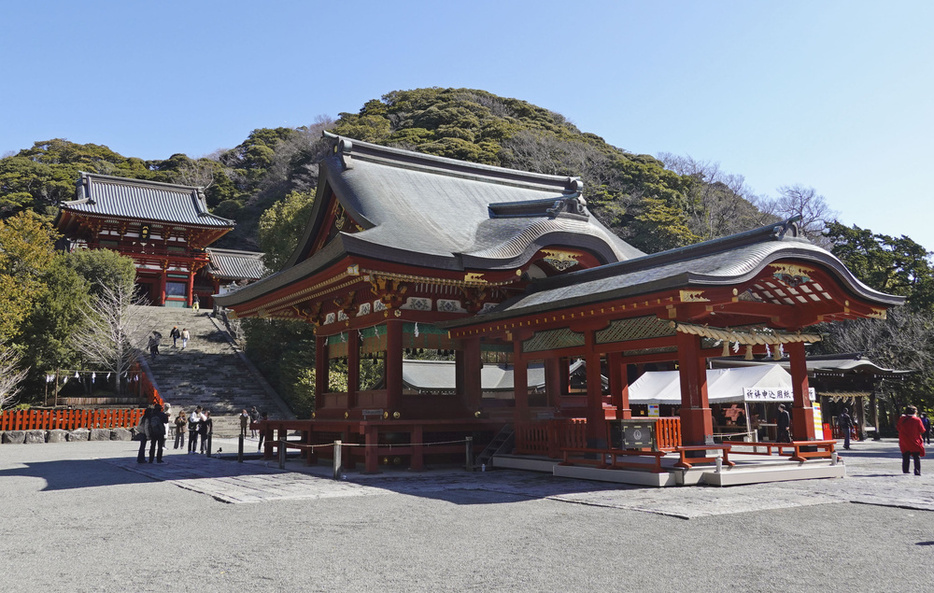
910	429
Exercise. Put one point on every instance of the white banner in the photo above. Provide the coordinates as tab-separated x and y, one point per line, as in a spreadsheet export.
772	394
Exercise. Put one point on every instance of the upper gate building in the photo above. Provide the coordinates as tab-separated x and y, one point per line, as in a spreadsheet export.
165	228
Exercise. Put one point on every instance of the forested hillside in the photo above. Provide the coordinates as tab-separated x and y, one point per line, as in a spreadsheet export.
651	206
267	183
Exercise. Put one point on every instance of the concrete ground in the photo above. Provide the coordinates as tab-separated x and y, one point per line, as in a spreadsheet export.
87	517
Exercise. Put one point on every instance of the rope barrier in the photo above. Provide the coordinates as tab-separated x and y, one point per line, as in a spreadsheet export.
391	445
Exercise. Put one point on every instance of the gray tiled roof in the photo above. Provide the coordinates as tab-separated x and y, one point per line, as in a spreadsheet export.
722	262
119	197
236	265
445	213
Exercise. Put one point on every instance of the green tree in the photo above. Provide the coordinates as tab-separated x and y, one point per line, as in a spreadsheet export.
894	265
282	226
905	339
103	268
26	254
46	332
284	351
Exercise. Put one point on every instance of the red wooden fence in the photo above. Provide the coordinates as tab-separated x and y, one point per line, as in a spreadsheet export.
85	418
550	436
69	419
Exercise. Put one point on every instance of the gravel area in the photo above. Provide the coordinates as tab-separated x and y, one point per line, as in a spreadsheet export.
87	517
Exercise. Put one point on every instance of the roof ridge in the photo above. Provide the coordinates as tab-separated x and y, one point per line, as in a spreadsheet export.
348	149
132	181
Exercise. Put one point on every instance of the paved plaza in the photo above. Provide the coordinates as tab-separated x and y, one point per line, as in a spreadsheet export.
87	517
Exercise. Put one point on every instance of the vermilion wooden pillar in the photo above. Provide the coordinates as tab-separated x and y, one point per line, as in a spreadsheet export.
322	367
596	419
469	376
393	364
696	421
160	298
191	289
802	413
553	382
353	368
520	382
619	385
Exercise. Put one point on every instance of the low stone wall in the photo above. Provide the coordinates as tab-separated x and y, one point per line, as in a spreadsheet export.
20	437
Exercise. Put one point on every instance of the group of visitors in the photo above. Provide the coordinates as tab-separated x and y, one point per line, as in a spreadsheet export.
248	421
184	335
155	338
199	425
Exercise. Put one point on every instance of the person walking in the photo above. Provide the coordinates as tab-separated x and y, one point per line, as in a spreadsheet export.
175	335
154	345
181	425
927	428
194	420
185	337
910	429
783	422
845	423
196	303
244	422
157	422
206	430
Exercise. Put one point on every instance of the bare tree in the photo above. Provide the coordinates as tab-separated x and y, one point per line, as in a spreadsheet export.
797	200
106	336
719	203
901	341
11	376
199	173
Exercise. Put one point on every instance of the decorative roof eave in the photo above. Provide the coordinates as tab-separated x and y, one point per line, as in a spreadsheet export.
332	253
758	337
65	210
620	281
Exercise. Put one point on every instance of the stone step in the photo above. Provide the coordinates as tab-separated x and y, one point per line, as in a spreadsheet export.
209	372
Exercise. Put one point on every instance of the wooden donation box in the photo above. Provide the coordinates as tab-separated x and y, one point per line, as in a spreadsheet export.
635	433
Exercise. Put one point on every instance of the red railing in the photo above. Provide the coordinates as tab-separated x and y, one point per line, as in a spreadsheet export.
549	437
668	433
69	419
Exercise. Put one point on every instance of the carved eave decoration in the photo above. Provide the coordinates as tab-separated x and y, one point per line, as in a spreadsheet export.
560	260
390	291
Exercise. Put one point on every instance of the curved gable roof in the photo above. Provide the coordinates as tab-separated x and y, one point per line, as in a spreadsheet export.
445	213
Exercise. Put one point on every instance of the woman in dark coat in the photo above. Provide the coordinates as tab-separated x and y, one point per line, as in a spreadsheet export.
205	429
910	429
157	421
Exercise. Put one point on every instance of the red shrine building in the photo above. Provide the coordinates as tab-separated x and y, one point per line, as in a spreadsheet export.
165	228
482	265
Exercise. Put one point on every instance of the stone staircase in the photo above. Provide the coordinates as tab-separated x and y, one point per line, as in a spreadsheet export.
211	372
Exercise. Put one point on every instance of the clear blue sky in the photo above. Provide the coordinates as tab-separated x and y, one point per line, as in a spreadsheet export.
836	95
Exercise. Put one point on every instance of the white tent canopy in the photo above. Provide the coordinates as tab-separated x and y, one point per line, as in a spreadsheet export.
733	385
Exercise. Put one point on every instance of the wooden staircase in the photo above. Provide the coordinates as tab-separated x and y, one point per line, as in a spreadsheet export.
503	442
